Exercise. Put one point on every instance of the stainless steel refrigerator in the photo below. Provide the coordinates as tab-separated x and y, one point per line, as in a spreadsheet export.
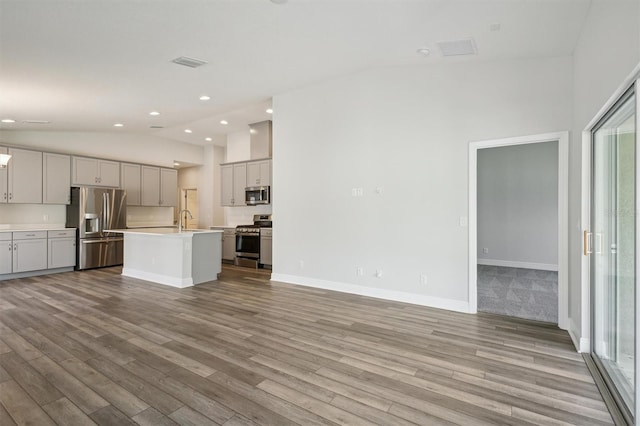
94	211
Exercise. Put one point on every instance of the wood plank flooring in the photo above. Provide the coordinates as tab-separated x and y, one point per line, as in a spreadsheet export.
94	347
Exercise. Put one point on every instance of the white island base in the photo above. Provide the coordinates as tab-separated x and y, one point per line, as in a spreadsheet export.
166	256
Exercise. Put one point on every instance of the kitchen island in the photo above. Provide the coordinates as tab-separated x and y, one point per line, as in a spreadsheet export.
170	257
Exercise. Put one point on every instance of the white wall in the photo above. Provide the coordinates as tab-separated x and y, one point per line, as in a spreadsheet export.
238	147
518	206
211	213
405	131
607	51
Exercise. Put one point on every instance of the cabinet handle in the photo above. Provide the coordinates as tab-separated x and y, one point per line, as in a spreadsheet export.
15	247
9	246
95	180
11	196
5	195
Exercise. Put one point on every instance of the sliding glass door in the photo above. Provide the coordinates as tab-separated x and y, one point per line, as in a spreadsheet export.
613	250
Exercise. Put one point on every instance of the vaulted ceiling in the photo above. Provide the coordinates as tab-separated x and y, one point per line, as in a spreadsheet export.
88	64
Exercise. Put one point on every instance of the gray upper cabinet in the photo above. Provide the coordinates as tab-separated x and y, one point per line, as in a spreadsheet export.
259	173
24	176
4	191
130	182
150	186
95	172
159	187
56	178
168	187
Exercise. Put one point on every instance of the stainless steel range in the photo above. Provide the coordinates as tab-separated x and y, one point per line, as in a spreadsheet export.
248	247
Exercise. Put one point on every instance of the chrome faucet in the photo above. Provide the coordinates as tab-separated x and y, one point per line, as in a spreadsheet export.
180	219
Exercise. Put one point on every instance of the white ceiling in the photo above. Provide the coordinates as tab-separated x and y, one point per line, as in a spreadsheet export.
87	64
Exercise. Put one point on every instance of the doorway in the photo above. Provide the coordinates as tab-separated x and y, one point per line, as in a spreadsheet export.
562	212
189	202
611	249
518	231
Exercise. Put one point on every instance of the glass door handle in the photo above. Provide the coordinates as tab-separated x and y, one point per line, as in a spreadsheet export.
586	243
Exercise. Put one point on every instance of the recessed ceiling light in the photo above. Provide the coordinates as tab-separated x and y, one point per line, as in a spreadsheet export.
224	122
205	98
8	120
208	139
118	125
154	113
188	131
424	51
269	111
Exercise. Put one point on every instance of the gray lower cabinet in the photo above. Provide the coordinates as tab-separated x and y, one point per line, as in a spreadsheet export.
266	253
29	251
6	253
228	242
62	249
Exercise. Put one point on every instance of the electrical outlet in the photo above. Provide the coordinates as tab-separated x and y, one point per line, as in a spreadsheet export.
359	271
354	192
485	250
464	221
379	273
423	279
45	217
360	192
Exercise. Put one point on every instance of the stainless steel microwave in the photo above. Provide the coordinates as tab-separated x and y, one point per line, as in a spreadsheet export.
254	195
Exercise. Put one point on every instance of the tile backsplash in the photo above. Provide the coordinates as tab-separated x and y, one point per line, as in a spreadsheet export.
20	214
244	215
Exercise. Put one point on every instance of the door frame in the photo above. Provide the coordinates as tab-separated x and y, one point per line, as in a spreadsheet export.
584	329
563	215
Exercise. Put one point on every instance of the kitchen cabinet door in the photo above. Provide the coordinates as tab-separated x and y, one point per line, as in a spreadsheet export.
4	191
239	183
226	182
6	253
29	255
25	176
150	186
56	178
130	182
62	253
95	172
229	244
259	173
84	171
109	173
168	187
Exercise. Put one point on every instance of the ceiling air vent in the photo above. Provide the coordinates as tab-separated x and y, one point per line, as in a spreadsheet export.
458	47
35	122
156	127
188	62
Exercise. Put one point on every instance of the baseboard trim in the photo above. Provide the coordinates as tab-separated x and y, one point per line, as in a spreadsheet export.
157	278
582	344
396	296
512	264
28	274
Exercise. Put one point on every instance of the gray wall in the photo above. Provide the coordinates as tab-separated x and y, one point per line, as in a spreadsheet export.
518	205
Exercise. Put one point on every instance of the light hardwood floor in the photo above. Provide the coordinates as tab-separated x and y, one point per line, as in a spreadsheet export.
94	347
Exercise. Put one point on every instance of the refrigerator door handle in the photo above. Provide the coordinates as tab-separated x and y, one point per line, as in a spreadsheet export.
102	240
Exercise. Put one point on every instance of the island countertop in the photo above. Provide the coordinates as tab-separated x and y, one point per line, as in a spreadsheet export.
186	233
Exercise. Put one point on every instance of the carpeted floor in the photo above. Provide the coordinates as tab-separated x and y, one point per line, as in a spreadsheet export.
517	292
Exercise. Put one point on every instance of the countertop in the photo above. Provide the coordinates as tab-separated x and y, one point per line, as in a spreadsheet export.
166	231
26	227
